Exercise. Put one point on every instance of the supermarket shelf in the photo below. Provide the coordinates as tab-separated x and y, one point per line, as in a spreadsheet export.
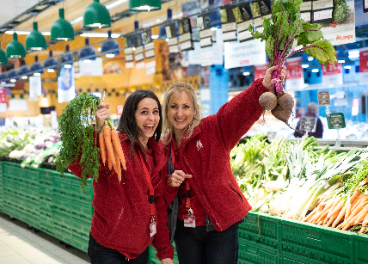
55	204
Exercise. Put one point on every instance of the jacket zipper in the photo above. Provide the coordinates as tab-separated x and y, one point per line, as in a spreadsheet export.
217	223
232	188
117	222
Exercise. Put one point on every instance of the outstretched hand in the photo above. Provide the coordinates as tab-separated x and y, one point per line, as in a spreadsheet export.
268	77
177	178
102	113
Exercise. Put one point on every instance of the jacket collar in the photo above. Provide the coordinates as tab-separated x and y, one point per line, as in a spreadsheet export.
196	131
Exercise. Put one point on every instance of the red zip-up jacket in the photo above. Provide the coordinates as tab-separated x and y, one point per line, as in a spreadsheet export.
206	156
121	210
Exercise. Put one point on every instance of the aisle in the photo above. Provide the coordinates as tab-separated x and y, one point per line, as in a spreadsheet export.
21	245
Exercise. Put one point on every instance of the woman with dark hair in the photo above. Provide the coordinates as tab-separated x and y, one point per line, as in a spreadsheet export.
131	214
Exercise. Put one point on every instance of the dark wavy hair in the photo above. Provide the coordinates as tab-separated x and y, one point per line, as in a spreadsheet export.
128	124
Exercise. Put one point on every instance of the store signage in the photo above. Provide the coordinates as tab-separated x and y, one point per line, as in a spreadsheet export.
322	11
18	105
324	98
365	6
260	71
308	123
205	33
306	10
243	21
185	34
54	120
35	87
247	53
363	66
76	64
2	95
331	75
342	33
228	24
138	44
294	76
129	62
335	120
91	68
355	107
172	38
2	109
260	8
66	85
149	47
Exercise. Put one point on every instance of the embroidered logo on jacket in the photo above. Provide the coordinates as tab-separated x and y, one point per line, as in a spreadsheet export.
199	145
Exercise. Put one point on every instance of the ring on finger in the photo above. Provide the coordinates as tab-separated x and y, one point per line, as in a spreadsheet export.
178	182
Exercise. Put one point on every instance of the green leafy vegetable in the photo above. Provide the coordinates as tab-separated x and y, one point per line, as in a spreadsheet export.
76	133
341	12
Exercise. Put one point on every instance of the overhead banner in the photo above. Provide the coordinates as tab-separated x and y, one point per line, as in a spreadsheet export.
185	34
173	40
244	54
138	44
149	47
205	33
342	29
363	68
243	20
66	85
228	24
294	76
332	75
34	88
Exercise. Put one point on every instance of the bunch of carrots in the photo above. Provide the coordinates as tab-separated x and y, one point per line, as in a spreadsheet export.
342	215
111	148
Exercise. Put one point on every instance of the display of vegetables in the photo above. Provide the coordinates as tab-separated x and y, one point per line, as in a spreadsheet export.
293	180
283	32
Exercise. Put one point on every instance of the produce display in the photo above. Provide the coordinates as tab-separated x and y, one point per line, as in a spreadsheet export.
294	181
76	132
30	147
283	32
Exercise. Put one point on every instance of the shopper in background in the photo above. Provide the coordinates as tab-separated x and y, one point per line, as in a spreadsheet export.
312	111
126	212
206	203
301	111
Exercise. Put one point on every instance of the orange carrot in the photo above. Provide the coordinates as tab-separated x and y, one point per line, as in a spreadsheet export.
102	148
117	168
365	222
336	208
110	149
350	222
310	215
340	216
361	215
332	219
117	145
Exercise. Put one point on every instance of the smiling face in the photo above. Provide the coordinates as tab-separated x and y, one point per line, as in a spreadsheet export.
180	111
147	117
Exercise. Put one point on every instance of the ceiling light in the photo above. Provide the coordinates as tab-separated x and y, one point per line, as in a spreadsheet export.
144	5
310	58
110	55
3	58
67	66
50	70
61	29
315	70
99	35
87	53
50	64
247	73
110	47
96	15
15	49
35	40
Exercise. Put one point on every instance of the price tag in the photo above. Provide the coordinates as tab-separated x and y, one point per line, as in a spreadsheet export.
324	98
336	121
308	124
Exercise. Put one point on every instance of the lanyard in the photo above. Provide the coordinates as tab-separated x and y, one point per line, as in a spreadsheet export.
187	186
150	187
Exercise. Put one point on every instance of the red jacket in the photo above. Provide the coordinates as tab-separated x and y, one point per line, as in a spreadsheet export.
206	156
121	210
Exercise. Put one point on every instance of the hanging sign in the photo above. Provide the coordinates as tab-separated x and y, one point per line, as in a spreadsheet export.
322	11
260	8
244	54
363	66
365	6
335	120
138	47
185	34
308	123
173	40
324	98
149	47
2	95
355	107
294	76
66	85
332	75
243	19
342	29
128	51
228	24
306	10
34	88
205	33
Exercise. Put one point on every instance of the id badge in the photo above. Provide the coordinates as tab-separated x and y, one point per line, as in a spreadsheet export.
153	229
189	221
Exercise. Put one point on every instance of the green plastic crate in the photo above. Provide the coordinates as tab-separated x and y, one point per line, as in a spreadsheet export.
73	207
316	242
360	244
290	258
261	224
251	252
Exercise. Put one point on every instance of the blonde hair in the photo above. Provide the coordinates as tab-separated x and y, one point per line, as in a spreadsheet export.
177	88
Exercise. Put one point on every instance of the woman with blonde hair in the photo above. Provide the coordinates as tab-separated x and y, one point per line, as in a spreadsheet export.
204	199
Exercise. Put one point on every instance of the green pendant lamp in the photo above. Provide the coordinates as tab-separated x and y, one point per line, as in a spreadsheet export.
3	58
144	5
96	15
35	40
61	29
15	49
